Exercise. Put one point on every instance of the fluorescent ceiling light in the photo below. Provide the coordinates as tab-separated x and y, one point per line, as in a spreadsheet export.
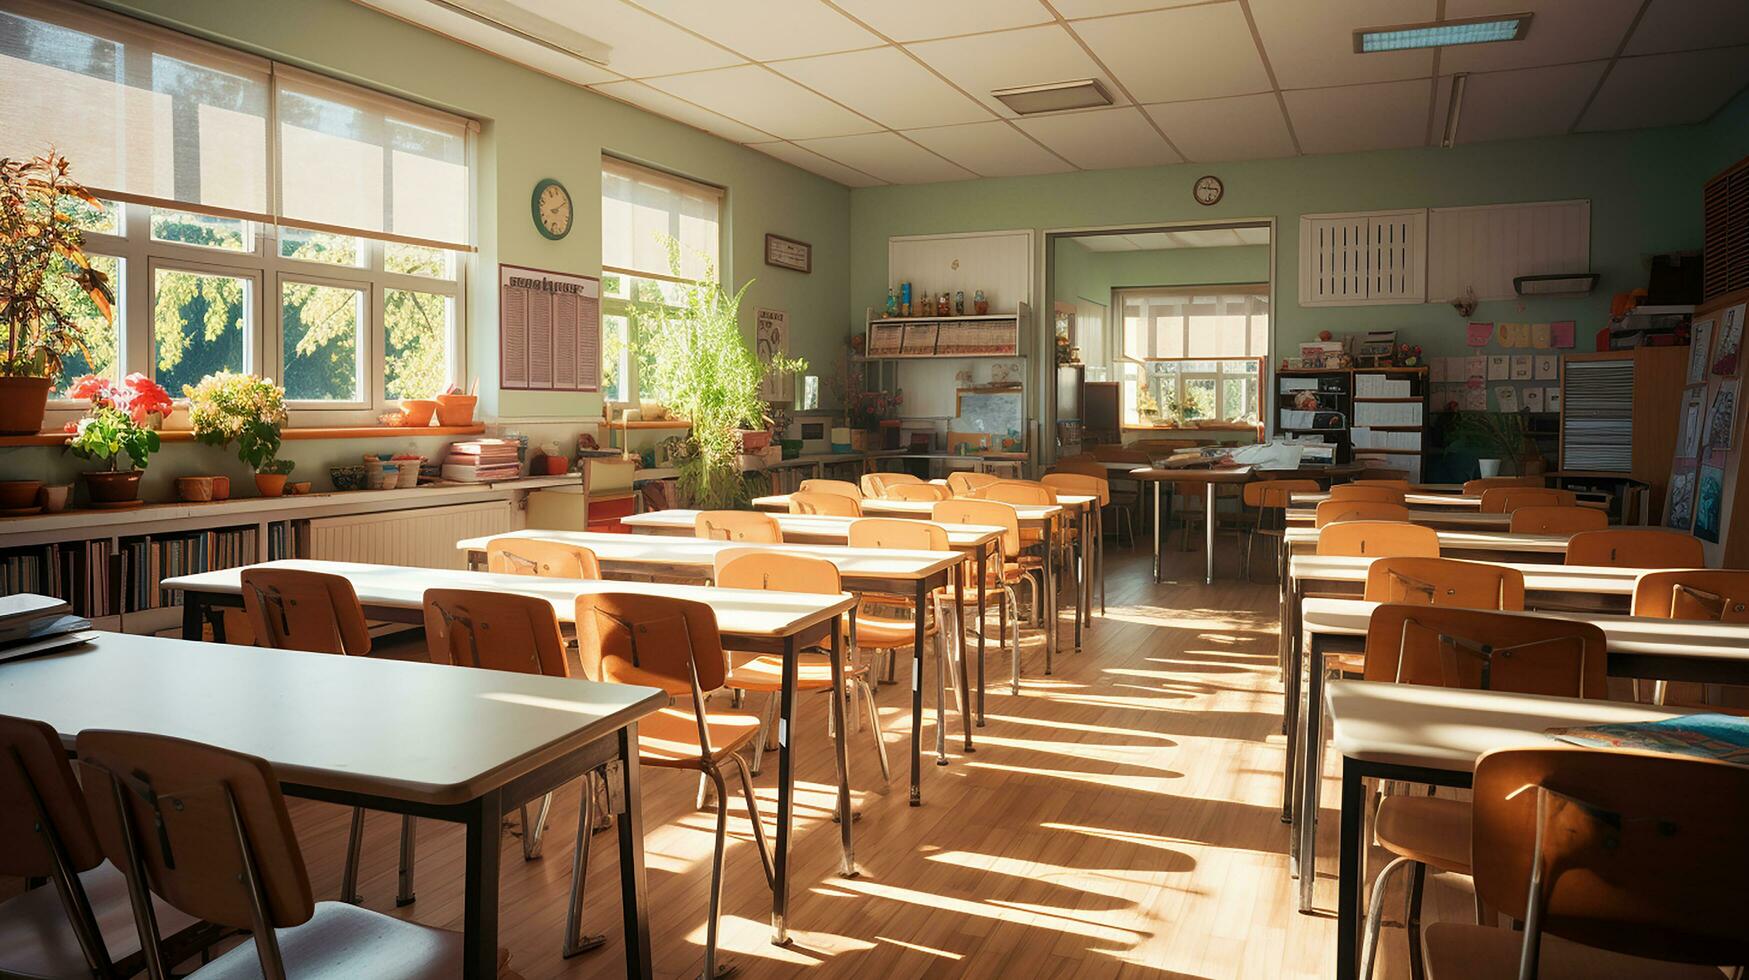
1084	93
511	19
1474	30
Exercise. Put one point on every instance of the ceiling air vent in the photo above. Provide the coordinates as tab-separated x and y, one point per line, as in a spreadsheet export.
1027	100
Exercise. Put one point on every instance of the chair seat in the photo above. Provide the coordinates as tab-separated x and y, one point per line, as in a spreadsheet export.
36	938
1458	951
763	673
1347	663
1428	829
873	632
343	940
669	738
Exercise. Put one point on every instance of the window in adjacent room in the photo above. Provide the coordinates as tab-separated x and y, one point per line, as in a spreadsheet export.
1194	352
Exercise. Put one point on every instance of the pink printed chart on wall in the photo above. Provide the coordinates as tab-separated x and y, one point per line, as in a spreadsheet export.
549	330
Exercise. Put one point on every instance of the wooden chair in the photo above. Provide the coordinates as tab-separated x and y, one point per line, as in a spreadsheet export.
1378	539
1635	548
547	559
741	526
882	630
1504	500
825	504
877	484
1619	863
916	491
1270	498
843	488
1028	493
1082	484
293	609
747	568
1009	567
964	482
206	829
672	644
1368	493
1474	488
1538	519
83	926
1333	511
1707	594
1444	582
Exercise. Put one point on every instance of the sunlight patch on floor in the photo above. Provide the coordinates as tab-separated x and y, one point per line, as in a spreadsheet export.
1060	920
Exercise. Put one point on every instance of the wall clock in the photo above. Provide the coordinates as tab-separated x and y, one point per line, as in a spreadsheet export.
552	209
1208	189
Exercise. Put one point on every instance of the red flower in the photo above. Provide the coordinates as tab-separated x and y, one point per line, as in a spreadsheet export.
88	386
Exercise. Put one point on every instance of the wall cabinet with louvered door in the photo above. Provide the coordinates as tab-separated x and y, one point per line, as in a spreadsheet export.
1725	200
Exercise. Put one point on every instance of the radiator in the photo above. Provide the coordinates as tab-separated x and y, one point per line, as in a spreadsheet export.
423	538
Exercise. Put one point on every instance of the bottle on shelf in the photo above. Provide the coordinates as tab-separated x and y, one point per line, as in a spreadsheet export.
892	303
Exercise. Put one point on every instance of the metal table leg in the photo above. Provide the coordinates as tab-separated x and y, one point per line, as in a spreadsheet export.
1208	534
981	599
917	703
633	885
841	753
480	907
786	702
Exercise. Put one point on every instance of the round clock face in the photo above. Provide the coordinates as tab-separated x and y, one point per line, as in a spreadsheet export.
552	209
1208	190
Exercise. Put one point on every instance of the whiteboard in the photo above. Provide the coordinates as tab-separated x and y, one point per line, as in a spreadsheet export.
1000	412
1485	247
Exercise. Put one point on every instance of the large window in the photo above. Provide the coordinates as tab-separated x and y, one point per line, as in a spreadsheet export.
1194	353
641	209
255	217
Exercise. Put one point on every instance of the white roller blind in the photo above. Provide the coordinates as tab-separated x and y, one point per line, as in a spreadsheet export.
354	161
143	114
640	206
1210	322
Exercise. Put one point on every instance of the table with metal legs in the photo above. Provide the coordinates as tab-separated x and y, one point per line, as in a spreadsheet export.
1208	479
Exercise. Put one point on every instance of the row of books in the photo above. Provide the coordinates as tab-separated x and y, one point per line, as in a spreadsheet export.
151	560
482	461
76	571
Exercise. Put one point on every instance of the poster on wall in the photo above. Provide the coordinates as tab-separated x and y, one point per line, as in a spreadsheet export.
549	330
771	342
1679	502
1720	427
1709	503
1689	423
1727	355
1700	346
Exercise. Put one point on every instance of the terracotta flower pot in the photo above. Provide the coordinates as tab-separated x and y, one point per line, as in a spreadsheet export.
18	494
113	486
270	484
194	489
22	403
221	488
454	410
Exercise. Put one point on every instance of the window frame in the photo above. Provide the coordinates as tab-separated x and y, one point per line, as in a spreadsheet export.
1221	378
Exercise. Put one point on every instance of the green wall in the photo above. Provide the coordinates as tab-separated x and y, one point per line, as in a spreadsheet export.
1079	272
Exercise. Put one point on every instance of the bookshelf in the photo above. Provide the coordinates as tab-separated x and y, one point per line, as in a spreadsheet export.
1373	415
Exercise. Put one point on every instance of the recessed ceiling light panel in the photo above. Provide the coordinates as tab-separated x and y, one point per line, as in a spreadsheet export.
1027	100
1409	37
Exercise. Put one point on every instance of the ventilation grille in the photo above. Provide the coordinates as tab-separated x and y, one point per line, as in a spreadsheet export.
1597	417
1363	259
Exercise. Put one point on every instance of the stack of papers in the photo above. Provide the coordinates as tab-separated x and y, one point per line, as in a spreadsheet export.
482	461
31	624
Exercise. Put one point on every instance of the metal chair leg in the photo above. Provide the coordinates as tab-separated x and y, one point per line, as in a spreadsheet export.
1374	914
575	941
354	844
758	825
1417	879
1014	639
766	714
404	879
531	835
716	902
874	726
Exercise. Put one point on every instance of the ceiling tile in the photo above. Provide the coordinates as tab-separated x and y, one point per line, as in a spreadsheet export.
1151	241
663	104
1312	44
1507	105
1205	238
765	101
1561	31
1381	116
1032	56
1683	25
1667	89
1107	243
1101	139
1168	55
765	30
990	149
1249	127
915	20
488	38
889	157
642	44
814	163
1101	8
886	85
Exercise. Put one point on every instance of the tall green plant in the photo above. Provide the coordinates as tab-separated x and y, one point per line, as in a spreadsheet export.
1490	435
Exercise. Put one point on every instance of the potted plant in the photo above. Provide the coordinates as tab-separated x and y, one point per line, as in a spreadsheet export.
116	423
704	365
1496	438
41	252
250	411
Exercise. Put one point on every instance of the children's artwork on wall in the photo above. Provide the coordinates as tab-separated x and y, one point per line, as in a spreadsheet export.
1499	367
1552	399
1522	365
1700	347
1474	399
1506	399
1548	367
1561	334
1727	354
1533	399
1721	419
1709	503
1679	503
1688	423
1542	336
1479	334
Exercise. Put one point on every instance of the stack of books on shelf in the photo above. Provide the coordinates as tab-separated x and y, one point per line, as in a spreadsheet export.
31	624
150	560
76	571
482	461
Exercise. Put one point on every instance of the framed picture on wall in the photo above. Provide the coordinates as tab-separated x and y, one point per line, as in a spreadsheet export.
1727	353
787	253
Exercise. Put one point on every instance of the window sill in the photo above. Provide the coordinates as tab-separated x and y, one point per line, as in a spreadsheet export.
336	432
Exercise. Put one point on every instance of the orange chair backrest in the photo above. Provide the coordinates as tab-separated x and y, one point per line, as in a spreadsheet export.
843	488
1474	488
917	491
1333	511
1355	491
494	631
1537	519
749	526
1643	547
826	504
653	640
1023	493
1378	539
177	804
1719	594
1080	484
1503	500
1445	582
898	534
33	766
1274	493
990	513
1482	649
774	571
294	609
877	484
547	559
963	482
1608	827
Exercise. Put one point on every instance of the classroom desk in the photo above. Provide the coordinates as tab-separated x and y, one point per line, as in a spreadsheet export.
1440	518
1471	545
1413	499
1092	568
380	734
981	541
1432	735
759	622
861	570
1639	647
1208	479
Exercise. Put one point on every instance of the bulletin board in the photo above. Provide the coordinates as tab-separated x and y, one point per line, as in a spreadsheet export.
549	330
1510	367
1708	466
998	410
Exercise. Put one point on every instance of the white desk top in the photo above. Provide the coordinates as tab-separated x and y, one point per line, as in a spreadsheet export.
1450	517
649	549
811	528
740	612
1454	500
1448	729
1697	639
877	507
1537	578
415	731
1550	544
